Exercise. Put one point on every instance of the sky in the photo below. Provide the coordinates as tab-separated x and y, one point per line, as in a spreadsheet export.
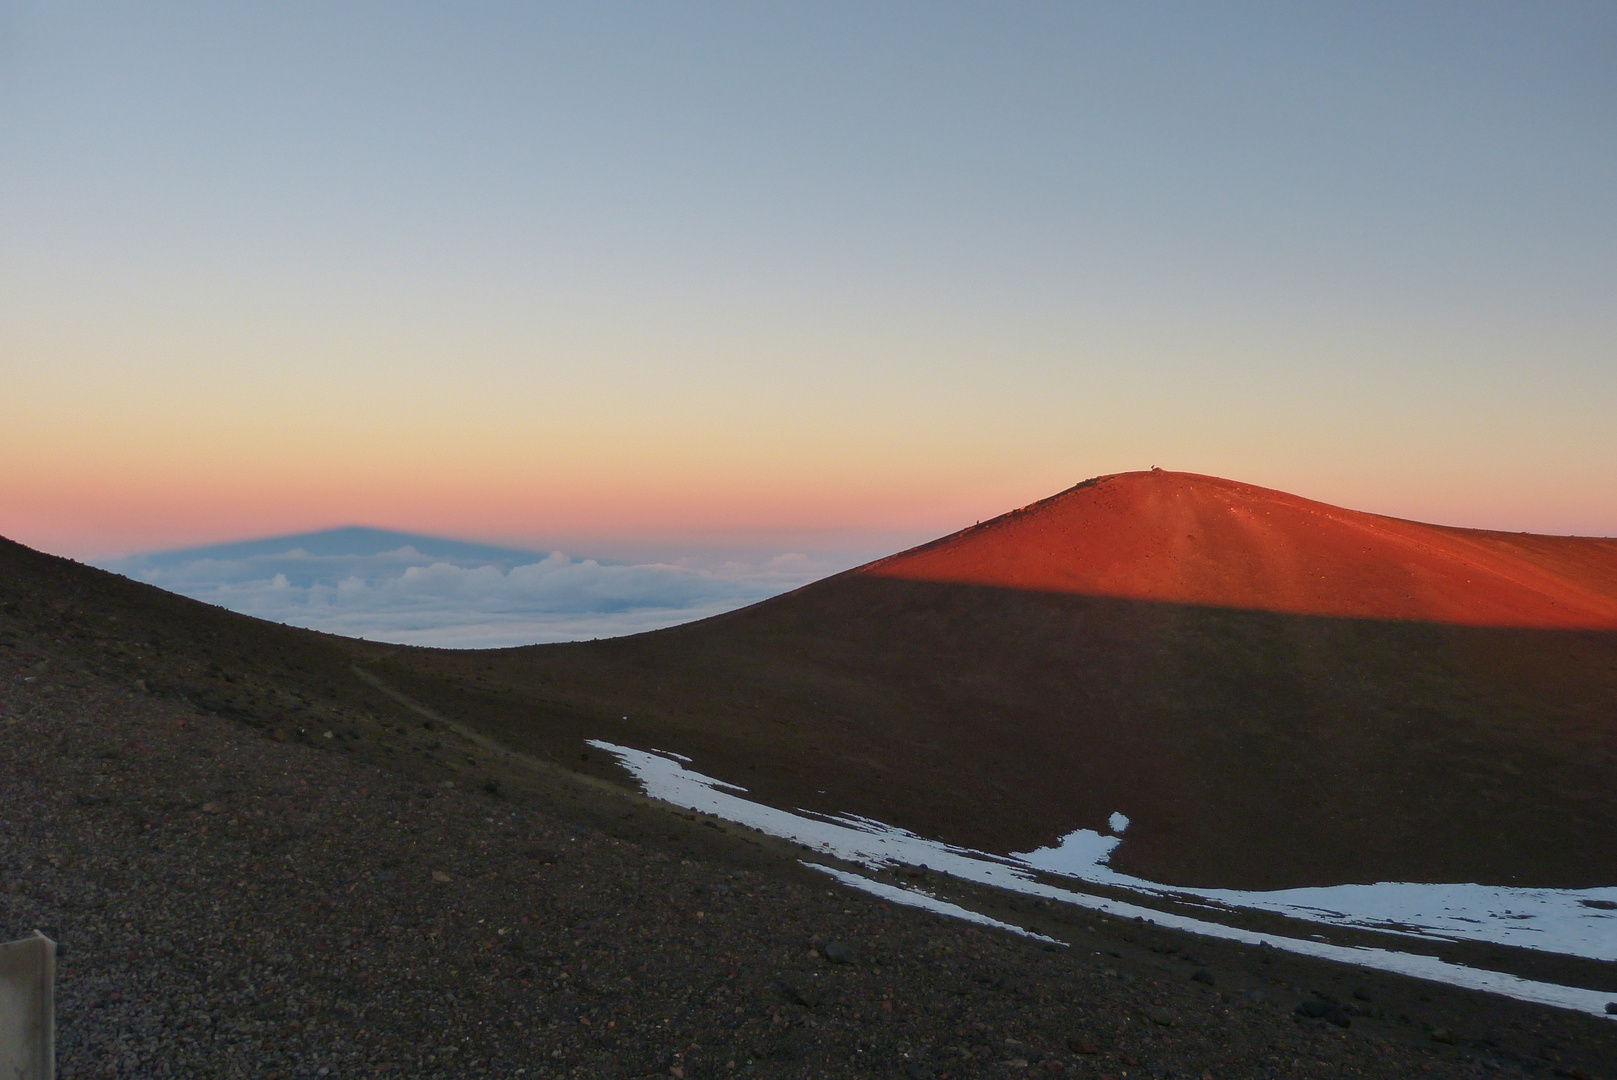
805	278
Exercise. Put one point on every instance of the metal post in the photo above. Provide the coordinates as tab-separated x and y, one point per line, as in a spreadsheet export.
28	1009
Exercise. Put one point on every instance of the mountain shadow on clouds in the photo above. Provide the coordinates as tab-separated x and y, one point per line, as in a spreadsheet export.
349	541
427	590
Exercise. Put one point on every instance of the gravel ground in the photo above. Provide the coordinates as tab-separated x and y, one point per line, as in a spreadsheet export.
229	905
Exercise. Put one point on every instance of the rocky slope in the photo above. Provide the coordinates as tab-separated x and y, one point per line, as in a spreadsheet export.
232	905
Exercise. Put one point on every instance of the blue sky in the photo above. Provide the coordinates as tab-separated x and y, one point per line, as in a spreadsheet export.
672	273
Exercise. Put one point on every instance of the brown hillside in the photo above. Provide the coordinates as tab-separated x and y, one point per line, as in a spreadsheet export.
1180	538
1277	692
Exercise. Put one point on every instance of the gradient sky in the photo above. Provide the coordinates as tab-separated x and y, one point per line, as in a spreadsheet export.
674	270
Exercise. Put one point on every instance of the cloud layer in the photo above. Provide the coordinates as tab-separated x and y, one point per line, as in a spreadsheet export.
409	598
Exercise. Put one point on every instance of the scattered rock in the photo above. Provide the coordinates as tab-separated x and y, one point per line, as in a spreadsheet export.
1324	1010
798	993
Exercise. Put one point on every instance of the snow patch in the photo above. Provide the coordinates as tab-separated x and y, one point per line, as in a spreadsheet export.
915	898
1548	920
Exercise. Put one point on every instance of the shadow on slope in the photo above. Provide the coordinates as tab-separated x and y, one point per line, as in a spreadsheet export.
1250	749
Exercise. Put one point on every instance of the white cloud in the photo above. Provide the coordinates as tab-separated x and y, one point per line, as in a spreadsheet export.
409	598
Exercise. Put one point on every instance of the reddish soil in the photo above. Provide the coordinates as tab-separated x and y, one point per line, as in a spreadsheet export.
1188	539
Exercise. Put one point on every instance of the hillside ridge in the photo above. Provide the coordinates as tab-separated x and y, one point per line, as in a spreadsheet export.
1184	538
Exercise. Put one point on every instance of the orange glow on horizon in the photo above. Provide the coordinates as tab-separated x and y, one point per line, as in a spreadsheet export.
119	512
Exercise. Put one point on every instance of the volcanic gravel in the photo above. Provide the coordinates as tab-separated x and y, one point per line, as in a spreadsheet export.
228	905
